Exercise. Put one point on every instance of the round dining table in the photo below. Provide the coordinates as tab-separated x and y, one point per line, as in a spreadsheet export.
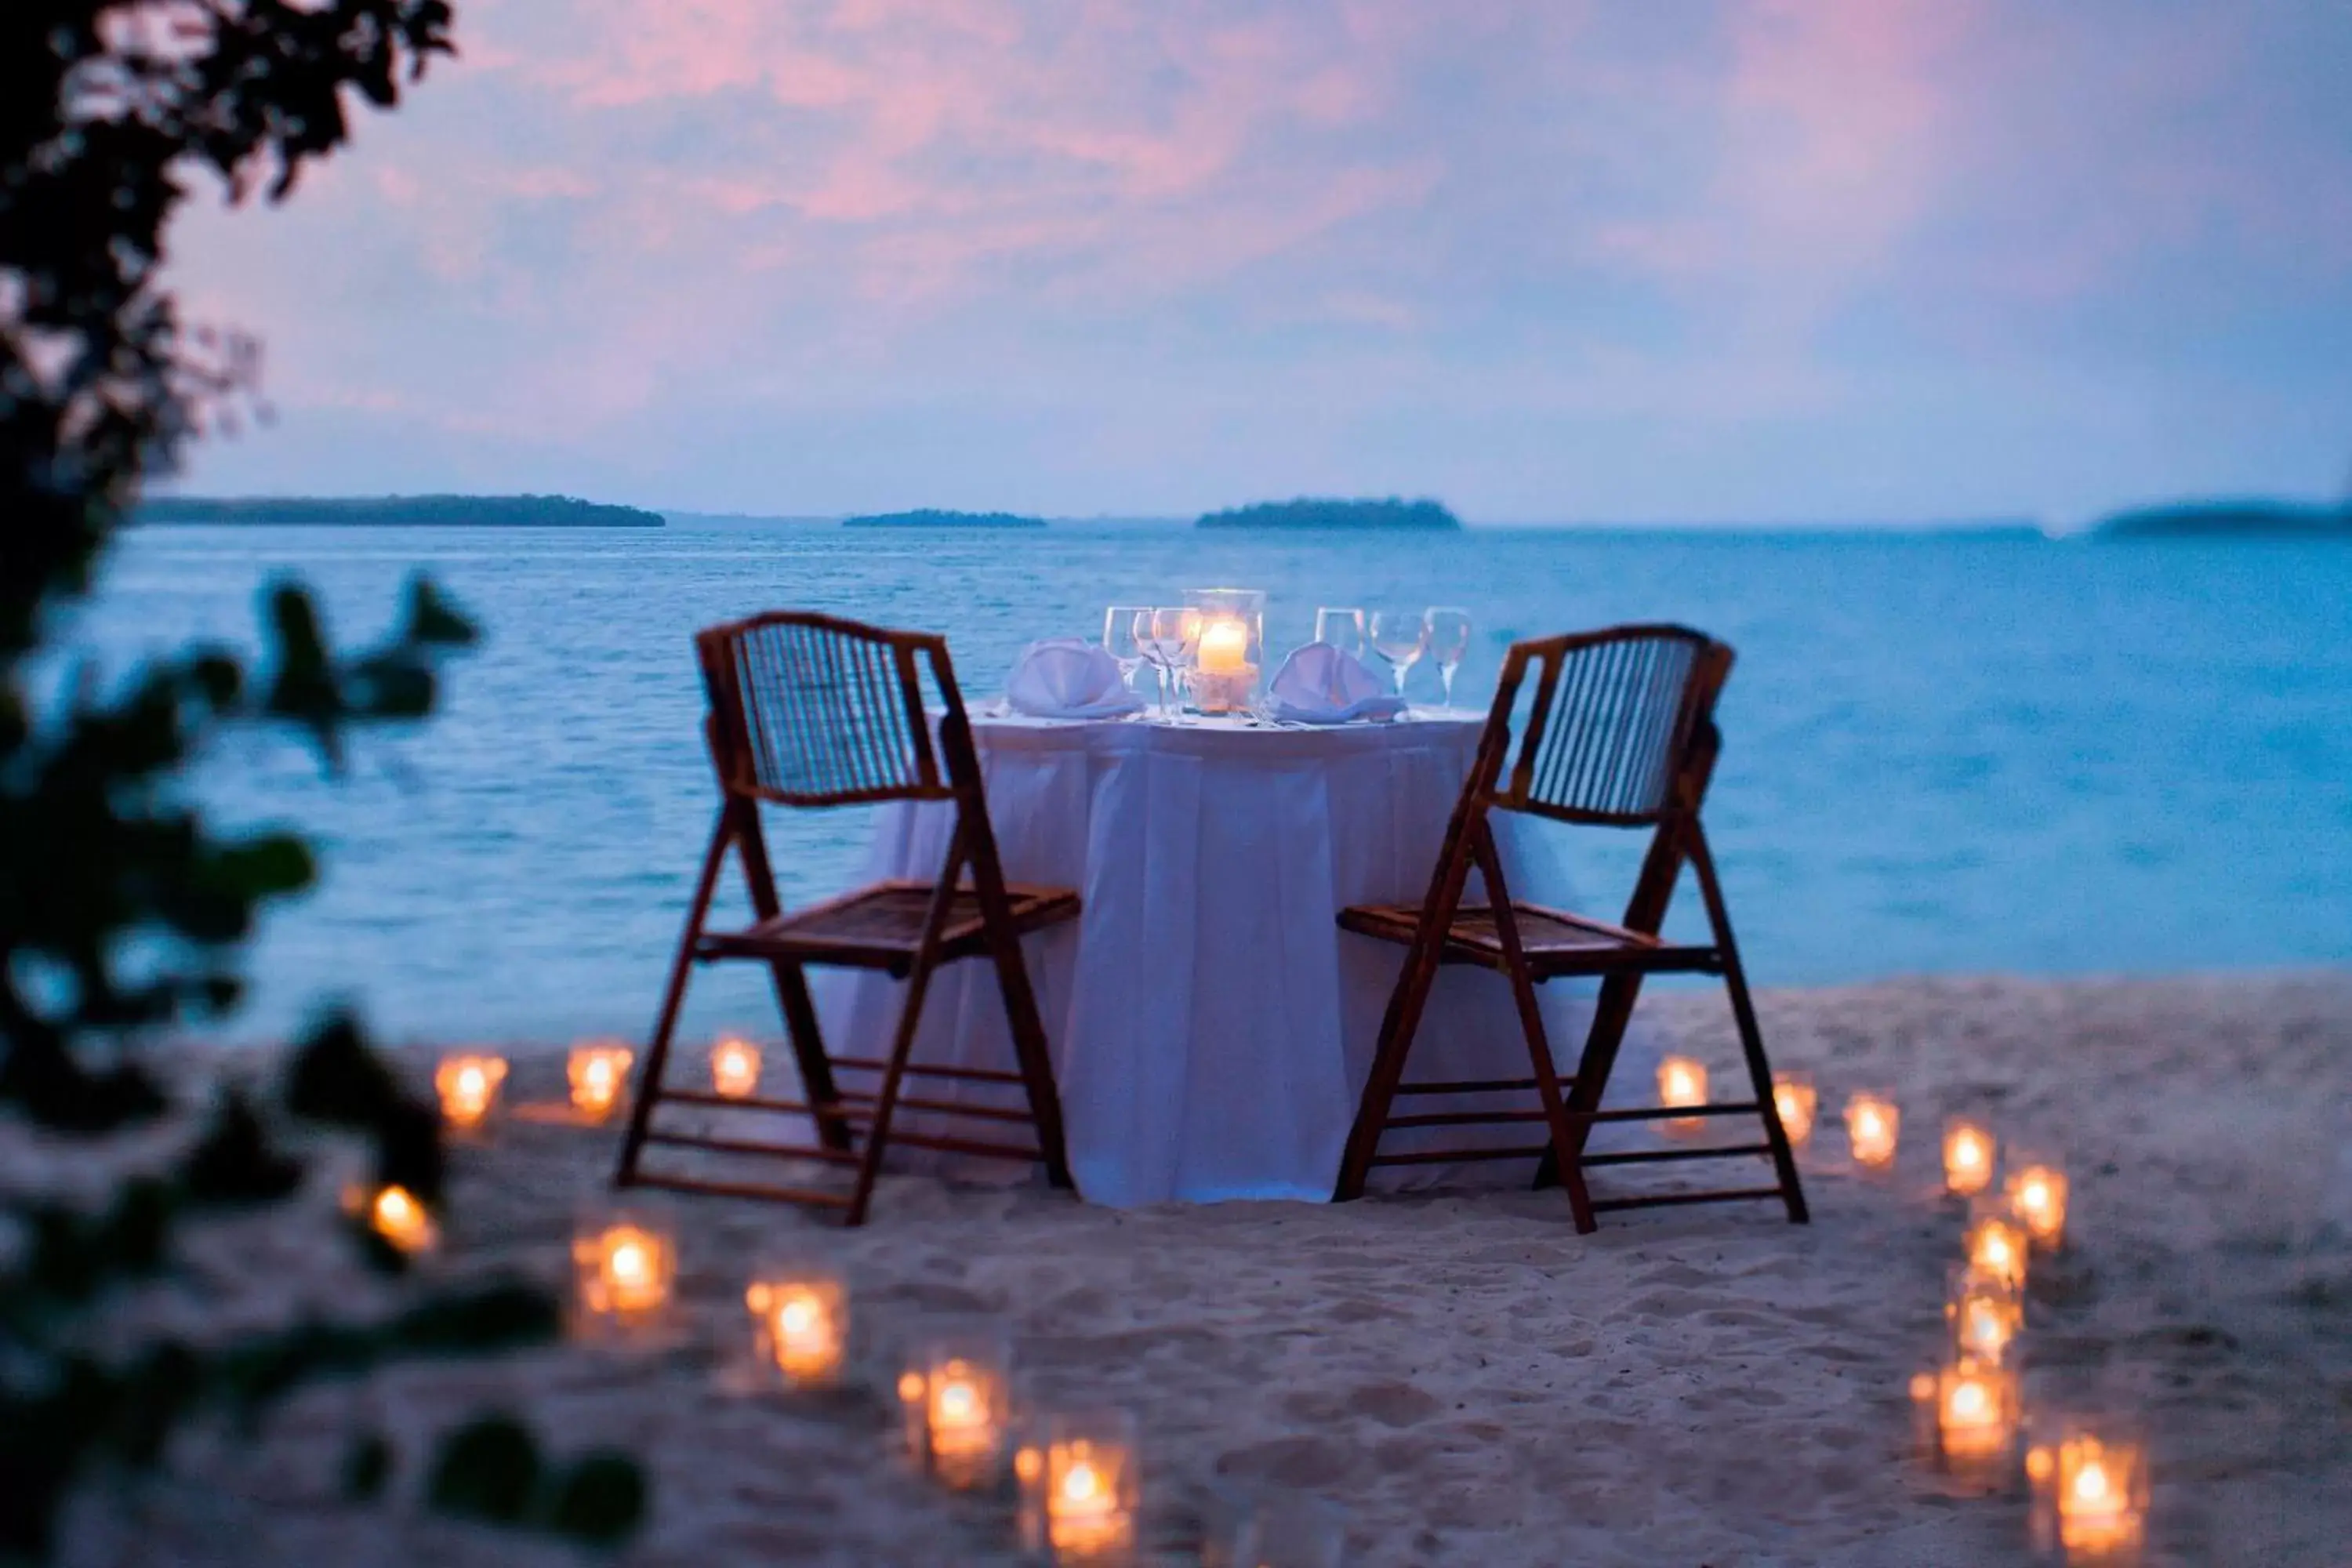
1210	1024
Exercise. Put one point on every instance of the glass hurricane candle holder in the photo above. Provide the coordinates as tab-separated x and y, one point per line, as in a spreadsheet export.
598	1072
468	1088
2091	1494
1081	1489
2037	1200
956	1392
734	1067
1971	1413
1873	1125
1796	1099
1968	1153
624	1268
1682	1081
1985	1313
1230	652
800	1325
1996	1245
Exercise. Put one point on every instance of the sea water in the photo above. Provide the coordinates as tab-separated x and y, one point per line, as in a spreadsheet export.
1943	753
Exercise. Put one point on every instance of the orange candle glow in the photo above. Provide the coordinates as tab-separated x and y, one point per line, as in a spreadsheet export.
802	1325
400	1219
735	1067
1968	1157
1080	1491
2037	1198
956	1398
1976	1413
1682	1081
468	1088
598	1073
1794	1097
625	1271
1985	1314
2102	1496
1872	1125
1995	1247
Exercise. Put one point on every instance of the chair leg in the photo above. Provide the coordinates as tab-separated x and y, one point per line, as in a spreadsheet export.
1751	1036
1029	1046
824	1098
673	995
1612	1011
911	1016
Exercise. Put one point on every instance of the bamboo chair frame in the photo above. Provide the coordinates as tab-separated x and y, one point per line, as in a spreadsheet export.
1620	732
808	711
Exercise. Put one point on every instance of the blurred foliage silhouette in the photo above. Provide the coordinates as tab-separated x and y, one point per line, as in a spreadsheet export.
123	915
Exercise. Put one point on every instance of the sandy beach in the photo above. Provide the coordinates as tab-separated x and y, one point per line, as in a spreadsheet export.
1470	1379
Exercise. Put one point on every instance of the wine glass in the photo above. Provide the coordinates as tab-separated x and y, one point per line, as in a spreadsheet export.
1342	628
1122	641
1400	636
1173	631
1449	640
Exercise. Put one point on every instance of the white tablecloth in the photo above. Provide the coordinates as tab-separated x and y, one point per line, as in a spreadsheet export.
1211	1026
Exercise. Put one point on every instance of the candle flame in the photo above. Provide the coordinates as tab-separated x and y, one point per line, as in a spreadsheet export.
1079	1482
400	1219
2091	1482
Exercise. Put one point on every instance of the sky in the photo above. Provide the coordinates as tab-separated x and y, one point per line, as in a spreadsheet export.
1557	260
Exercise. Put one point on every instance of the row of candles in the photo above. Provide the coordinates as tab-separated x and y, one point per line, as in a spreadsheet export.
2090	1486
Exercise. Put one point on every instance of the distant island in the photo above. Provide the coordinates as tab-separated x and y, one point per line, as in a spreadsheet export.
931	517
2230	520
1305	512
397	512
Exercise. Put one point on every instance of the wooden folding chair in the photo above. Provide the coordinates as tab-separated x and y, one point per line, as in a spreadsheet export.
807	711
1620	732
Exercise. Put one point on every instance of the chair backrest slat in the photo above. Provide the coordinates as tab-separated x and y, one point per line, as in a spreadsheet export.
808	710
1610	724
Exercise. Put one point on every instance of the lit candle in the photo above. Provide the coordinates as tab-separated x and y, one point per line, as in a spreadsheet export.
1996	1246
1985	1314
625	1271
1976	1413
468	1088
1872	1126
598	1074
2101	1497
802	1324
1079	1495
1682	1081
955	1400
1794	1097
735	1067
1968	1157
1225	646
2037	1197
396	1215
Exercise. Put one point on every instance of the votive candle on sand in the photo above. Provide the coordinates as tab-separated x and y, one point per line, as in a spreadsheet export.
1969	1150
598	1073
2101	1493
1975	1414
801	1325
468	1088
1080	1488
1682	1081
957	1395
625	1271
1985	1313
1997	1244
1872	1125
1794	1097
734	1067
2037	1200
394	1213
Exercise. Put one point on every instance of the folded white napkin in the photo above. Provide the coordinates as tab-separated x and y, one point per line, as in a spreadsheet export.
1069	677
1321	685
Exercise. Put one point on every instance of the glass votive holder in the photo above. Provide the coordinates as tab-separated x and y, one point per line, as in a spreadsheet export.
598	1073
2037	1193
2090	1492
734	1067
1267	1528
955	1389
1985	1312
625	1274
799	1326
1682	1081
1996	1244
468	1085
1081	1482
1796	1099
1873	1125
1969	1151
1969	1413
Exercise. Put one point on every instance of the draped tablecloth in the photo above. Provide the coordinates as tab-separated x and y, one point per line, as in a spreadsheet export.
1211	1026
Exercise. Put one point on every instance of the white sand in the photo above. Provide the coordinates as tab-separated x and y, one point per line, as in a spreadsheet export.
1470	1380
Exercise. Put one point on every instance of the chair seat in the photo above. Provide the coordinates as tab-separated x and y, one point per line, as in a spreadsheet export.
1555	942
880	926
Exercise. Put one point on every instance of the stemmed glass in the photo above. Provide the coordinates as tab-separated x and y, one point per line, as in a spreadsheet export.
1167	634
1400	636
1342	628
1122	640
1448	641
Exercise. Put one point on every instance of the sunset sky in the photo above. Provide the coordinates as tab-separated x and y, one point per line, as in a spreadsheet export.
1647	261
